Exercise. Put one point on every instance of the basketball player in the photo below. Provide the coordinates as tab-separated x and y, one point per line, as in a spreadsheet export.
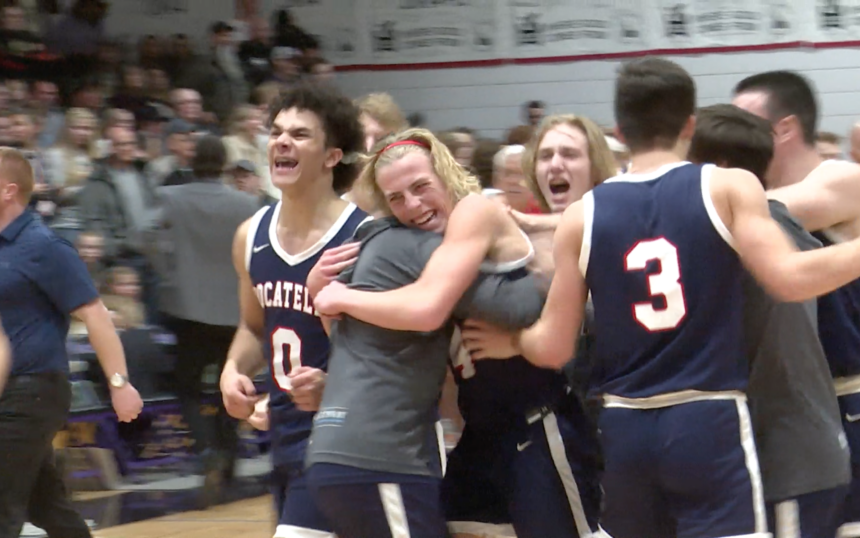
823	196
374	456
666	242
804	457
534	470
314	130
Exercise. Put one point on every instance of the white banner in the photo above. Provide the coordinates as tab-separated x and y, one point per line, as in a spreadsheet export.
414	31
724	23
835	20
569	27
133	19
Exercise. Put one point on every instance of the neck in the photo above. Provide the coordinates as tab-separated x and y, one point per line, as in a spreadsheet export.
11	213
795	167
302	205
649	161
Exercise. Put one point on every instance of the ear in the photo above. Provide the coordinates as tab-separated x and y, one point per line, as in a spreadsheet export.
333	156
786	129
618	136
689	129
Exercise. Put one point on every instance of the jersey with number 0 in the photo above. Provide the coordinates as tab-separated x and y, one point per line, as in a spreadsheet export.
294	332
665	283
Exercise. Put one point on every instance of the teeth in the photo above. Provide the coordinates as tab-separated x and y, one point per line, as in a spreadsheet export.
426	219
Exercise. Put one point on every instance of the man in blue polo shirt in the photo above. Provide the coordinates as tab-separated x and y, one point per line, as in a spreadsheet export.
42	283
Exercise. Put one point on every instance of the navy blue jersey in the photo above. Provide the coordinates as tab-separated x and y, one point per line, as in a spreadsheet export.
665	283
294	332
491	394
839	323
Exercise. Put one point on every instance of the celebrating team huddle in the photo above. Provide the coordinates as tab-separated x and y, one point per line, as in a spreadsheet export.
721	381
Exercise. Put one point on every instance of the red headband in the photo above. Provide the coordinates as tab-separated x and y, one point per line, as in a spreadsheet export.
404	143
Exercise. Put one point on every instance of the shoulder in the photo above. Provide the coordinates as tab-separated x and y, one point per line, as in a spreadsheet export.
478	212
835	172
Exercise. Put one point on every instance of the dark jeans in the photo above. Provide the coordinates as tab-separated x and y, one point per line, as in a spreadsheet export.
197	346
32	411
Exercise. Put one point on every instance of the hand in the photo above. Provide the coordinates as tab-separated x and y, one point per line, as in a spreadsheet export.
239	394
535	223
486	341
259	419
330	264
126	402
329	301
308	384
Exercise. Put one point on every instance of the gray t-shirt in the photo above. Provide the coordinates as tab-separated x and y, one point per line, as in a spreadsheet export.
795	414
379	408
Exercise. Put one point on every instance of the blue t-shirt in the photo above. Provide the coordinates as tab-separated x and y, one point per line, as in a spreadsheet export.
42	281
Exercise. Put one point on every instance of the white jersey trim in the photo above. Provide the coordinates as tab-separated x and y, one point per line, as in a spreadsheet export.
252	234
849	530
478	528
649	176
787	520
317	247
718	223
507	267
587	229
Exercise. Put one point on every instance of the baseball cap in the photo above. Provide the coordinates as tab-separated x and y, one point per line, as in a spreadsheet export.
179	126
244	165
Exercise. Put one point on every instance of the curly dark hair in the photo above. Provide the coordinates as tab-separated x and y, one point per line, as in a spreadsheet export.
339	117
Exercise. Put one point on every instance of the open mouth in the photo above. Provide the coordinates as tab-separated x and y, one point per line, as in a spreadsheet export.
283	164
425	218
558	186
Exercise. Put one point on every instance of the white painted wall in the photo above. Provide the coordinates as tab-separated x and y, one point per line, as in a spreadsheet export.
489	99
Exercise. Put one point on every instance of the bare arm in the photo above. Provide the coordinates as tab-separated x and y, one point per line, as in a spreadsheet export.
551	342
5	359
427	303
826	198
246	353
788	275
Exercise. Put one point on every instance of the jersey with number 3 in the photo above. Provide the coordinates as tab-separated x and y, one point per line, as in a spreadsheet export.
294	334
665	283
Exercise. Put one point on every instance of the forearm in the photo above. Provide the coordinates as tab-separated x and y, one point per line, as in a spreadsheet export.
246	353
409	308
5	361
807	275
105	341
542	345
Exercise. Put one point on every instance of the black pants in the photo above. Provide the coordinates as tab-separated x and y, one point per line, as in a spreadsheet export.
32	411
197	346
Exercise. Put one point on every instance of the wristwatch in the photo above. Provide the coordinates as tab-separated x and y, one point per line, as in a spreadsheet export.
118	381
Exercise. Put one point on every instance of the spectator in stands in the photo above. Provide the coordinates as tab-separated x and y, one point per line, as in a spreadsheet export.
828	145
18	44
23	131
198	222
287	34
79	32
91	249
256	52
5	128
180	57
482	160
107	69
320	70
380	117
149	52
68	165
244	143
534	112
45	99
88	94
285	68
131	93
509	178
464	148
157	91
123	281
218	77
188	106
175	167
519	135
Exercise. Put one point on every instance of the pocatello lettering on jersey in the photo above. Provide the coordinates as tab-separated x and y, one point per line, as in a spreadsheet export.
294	332
665	283
839	322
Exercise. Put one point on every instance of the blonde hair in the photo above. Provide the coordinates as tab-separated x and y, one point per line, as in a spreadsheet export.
240	115
458	181
15	168
69	152
382	108
602	161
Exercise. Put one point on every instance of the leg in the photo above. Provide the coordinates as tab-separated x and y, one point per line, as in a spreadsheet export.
191	359
553	494
226	434
709	470
49	506
813	515
298	514
368	504
633	504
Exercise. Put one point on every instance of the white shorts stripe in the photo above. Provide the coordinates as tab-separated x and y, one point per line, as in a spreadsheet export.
849	530
443	452
787	520
395	511
484	530
290	531
565	473
751	456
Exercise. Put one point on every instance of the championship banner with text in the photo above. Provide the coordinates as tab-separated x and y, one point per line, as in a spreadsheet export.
335	23
834	20
543	28
422	31
726	23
